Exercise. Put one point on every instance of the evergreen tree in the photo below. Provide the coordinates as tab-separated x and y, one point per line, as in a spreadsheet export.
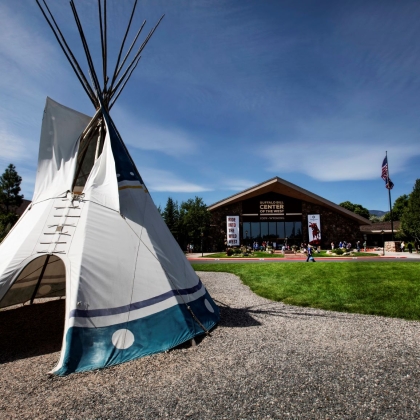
356	208
171	216
410	220
10	199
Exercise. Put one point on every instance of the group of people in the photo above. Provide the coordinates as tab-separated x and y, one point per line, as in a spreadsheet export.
409	246
343	245
263	247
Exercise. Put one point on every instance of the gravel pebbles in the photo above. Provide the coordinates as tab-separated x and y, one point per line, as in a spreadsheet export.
264	360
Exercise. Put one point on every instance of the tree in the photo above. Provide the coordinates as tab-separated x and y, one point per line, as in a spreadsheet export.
194	220
171	216
10	199
6	223
410	220
398	208
375	219
356	208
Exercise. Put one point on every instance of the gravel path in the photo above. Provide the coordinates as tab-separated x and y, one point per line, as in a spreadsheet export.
264	360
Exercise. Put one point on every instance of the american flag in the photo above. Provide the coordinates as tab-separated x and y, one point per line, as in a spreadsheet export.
385	176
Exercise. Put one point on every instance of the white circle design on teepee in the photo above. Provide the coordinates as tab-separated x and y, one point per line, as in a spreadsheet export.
132	173
43	290
208	305
122	339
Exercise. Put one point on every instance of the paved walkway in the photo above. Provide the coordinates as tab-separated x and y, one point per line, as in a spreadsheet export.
402	255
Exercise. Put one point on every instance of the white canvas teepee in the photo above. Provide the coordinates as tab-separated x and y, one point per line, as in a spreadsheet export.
93	234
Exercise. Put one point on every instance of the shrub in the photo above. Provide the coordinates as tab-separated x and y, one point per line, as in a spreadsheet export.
229	252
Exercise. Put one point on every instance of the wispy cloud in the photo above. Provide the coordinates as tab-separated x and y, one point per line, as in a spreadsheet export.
12	147
342	150
25	57
159	180
144	135
237	184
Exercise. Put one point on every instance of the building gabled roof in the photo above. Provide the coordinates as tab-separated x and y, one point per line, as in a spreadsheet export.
281	186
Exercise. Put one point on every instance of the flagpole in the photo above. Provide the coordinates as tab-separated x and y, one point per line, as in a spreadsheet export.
389	195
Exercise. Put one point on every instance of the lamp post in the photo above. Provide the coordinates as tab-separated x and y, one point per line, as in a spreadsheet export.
202	234
383	243
246	238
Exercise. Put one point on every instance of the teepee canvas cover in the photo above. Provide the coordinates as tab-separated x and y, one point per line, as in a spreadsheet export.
93	234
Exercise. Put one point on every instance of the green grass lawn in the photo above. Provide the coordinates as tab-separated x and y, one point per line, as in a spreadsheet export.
257	254
377	288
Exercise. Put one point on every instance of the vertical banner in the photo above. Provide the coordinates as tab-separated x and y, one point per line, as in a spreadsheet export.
232	226
314	229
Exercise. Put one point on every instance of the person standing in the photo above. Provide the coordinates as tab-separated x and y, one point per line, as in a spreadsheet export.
410	247
310	256
358	246
332	246
364	246
402	246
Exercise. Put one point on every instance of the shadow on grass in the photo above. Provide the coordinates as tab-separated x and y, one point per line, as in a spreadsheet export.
31	330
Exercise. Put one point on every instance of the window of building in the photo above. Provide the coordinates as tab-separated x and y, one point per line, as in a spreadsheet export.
255	230
290	229
264	230
246	230
298	229
272	231
280	230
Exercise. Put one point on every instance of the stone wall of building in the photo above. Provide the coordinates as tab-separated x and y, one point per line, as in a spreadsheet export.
393	246
334	227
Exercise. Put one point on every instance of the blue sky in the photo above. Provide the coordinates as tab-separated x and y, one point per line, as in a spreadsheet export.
231	93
